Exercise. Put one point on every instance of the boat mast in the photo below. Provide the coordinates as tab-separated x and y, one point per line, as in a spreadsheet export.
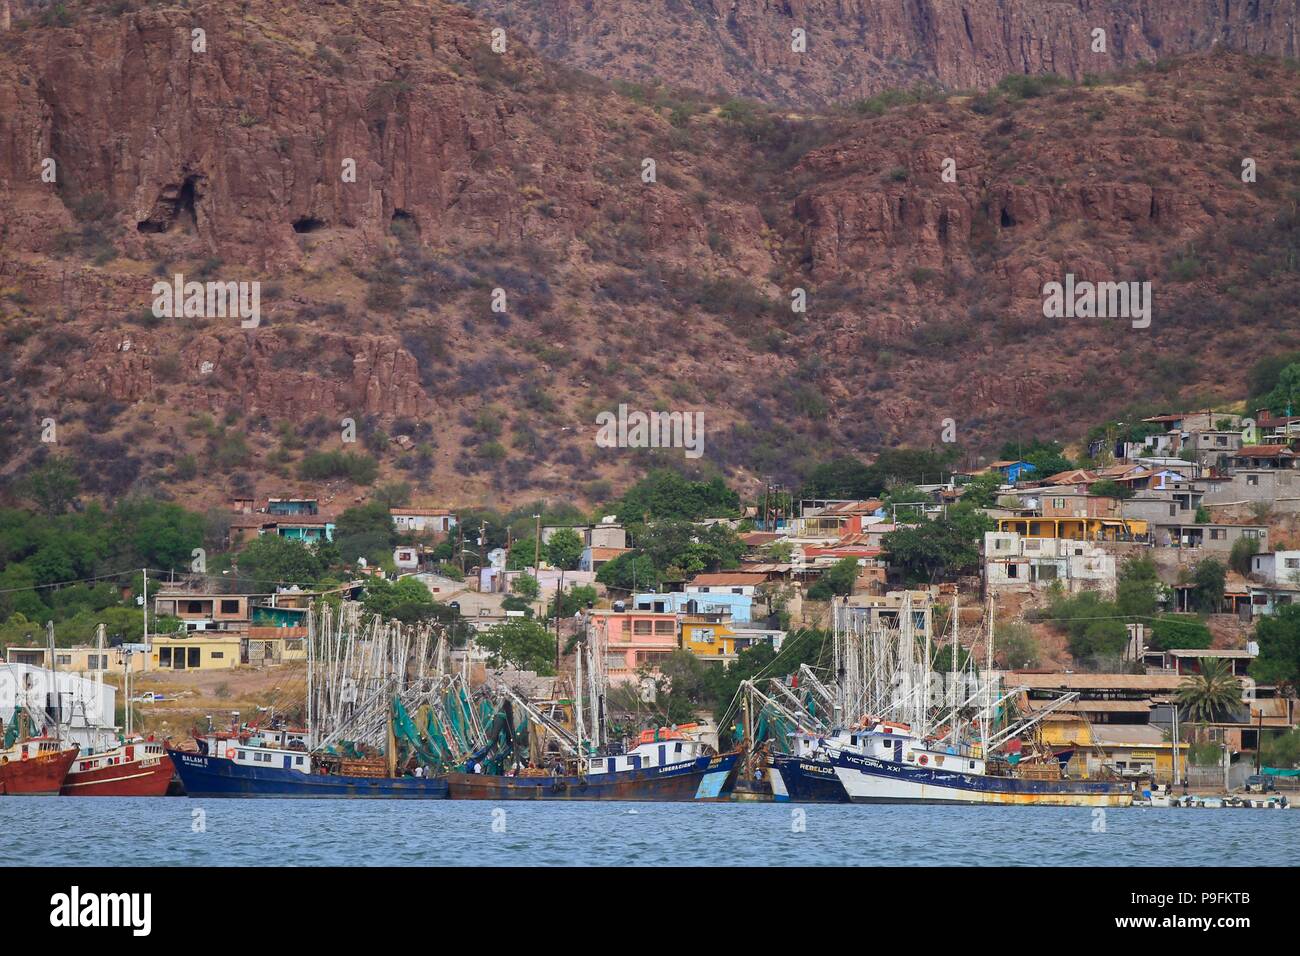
952	687
311	655
577	696
925	683
54	680
840	676
986	719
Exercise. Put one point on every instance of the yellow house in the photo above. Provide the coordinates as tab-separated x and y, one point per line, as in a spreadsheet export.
709	637
1075	529
195	651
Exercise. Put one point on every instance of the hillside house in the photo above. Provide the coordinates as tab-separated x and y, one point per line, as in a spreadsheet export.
1255	457
422	520
632	640
1016	563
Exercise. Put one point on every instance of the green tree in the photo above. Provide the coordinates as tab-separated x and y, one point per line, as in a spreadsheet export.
982	490
564	549
665	494
838	579
1138	587
407	599
52	486
1109	488
1278	635
573	600
1212	693
269	559
1243	550
1180	632
1015	646
366	531
519	642
1284	397
1208	580
526	586
947	545
630	571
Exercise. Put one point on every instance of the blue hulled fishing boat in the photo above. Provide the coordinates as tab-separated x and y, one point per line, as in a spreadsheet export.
277	764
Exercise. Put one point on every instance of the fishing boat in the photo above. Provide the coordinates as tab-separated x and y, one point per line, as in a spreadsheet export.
276	764
359	740
133	768
35	767
801	777
893	767
665	765
882	731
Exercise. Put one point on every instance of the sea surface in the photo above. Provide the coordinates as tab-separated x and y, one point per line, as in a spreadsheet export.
108	831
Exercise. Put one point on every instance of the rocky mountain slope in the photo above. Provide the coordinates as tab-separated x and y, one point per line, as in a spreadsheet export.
855	48
477	172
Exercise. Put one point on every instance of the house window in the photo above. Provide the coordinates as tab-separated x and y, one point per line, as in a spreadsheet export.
229	607
1218	534
1252	479
641	628
194	656
665	627
165	657
737	590
218	655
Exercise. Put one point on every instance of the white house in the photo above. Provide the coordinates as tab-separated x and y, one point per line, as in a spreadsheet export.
1276	567
438	520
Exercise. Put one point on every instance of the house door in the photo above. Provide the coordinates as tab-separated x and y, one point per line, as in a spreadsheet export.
288	763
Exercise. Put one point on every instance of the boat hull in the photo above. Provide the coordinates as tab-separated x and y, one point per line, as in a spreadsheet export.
867	780
800	780
205	776
40	776
137	778
702	779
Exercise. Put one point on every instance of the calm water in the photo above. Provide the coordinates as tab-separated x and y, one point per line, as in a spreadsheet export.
125	831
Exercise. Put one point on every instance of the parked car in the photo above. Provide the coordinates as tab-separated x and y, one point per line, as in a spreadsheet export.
1261	783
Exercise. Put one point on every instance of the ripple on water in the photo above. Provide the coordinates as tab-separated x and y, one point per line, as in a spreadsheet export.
53	831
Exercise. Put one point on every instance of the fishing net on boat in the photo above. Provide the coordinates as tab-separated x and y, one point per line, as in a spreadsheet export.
11	730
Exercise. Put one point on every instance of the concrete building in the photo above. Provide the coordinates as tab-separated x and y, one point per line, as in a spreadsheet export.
1013	562
1274	567
423	520
631	641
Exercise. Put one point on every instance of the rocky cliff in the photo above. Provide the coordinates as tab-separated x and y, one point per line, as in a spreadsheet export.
854	48
469	254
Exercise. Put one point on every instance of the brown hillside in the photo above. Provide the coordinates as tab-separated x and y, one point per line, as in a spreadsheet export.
478	171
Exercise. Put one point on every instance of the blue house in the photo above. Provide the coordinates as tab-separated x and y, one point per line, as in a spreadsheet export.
1013	471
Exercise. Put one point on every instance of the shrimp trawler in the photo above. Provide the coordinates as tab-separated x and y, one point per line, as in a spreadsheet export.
362	676
35	767
551	754
905	742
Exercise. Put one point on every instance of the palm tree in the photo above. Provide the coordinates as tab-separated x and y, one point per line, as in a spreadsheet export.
1210	692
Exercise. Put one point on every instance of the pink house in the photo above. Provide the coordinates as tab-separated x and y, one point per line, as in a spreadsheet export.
632	640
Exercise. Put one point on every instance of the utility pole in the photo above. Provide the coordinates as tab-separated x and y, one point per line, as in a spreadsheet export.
537	572
145	608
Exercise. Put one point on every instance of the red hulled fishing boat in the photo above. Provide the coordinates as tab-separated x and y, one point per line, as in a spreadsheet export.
35	767
134	768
